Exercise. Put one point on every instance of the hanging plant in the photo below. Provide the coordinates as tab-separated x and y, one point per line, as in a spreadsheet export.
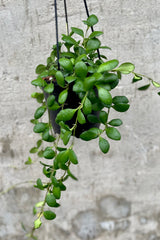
76	93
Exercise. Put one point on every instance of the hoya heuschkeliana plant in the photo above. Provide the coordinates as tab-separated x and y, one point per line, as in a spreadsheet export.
83	71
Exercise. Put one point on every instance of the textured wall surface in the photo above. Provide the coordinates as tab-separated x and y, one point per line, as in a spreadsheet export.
118	197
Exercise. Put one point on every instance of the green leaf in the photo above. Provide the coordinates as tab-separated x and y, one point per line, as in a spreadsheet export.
104	95
39	127
81	57
103	145
29	161
71	175
73	157
40	68
49	153
70	79
60	78
89	82
92	133
37	223
39	184
49	215
120	99
108	66
145	87
156	84
81	69
87	106
47	137
136	78
49	88
50	100
63	96
62	186
66	64
115	122
80	117
55	181
109	78
57	192
39	143
69	39
34	150
126	68
39	82
66	137
78	86
50	200
103	116
91	20
40	154
95	34
93	44
113	133
122	107
39	112
158	93
38	96
65	115
39	204
92	118
78	31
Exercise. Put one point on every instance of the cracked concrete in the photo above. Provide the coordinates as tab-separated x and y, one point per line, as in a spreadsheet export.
118	197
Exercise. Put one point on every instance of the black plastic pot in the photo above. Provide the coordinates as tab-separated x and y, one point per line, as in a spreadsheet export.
72	101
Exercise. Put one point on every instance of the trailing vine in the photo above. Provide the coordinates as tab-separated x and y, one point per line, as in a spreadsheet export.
90	77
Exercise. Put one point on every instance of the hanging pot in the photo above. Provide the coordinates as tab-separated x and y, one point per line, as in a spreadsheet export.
73	102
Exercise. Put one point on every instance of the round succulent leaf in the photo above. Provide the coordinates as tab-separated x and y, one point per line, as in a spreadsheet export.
156	84
49	215
57	192
122	107
70	79
39	82
66	64
73	157
39	112
103	116
115	122
50	200
39	184
78	87
50	100
49	88
37	223
66	137
78	31
92	133
60	78
92	20
89	82
87	107
80	117
40	68
49	153
113	133
108	66
145	87
33	150
95	34
104	95
93	44
81	69
126	68
120	99
63	96
104	145
39	127
65	115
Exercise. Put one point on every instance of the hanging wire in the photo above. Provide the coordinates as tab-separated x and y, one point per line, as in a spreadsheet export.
66	16
56	22
87	11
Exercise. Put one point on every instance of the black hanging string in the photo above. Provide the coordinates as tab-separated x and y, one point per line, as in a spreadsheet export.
87	11
56	22
66	16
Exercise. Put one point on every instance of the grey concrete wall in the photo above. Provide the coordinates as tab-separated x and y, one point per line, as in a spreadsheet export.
117	195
